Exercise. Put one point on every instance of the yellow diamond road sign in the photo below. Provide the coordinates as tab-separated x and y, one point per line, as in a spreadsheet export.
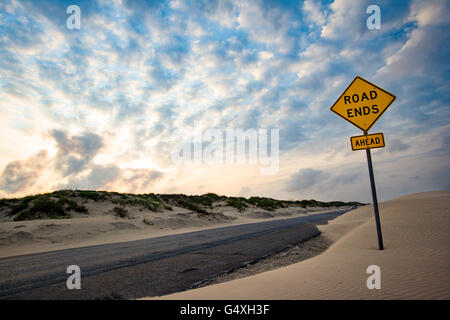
362	103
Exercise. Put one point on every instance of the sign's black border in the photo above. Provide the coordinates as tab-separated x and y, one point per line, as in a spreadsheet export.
371	85
368	135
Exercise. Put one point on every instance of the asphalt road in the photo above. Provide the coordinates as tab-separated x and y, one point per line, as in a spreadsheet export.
151	267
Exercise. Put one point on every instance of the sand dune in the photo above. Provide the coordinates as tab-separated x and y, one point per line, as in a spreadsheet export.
414	265
102	226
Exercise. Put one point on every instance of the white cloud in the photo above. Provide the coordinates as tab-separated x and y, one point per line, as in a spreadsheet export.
430	12
424	43
267	24
345	21
314	12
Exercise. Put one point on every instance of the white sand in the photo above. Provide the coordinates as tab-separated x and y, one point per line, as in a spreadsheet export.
414	265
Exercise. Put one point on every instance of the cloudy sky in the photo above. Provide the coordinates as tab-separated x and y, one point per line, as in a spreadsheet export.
99	107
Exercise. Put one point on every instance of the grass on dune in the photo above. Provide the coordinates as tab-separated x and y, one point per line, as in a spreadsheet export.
60	204
121	212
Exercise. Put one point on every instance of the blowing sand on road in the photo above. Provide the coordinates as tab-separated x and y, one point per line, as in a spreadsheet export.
414	265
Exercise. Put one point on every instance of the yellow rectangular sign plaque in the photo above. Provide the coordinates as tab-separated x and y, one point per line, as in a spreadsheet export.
362	103
369	141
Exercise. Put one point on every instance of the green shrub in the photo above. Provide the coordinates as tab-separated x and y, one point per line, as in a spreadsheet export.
92	195
15	209
121	212
24	215
206	199
150	203
63	193
73	205
213	196
238	203
266	203
43	208
149	196
51	208
188	204
335	204
121	202
7	202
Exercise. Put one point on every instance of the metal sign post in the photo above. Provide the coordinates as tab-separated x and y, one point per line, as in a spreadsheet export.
362	104
374	198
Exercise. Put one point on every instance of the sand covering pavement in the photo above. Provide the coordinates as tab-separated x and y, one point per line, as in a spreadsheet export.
414	265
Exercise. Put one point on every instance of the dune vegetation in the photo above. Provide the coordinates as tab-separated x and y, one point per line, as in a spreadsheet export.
63	204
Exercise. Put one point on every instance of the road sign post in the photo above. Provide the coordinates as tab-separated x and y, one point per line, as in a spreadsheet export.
362	104
374	198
